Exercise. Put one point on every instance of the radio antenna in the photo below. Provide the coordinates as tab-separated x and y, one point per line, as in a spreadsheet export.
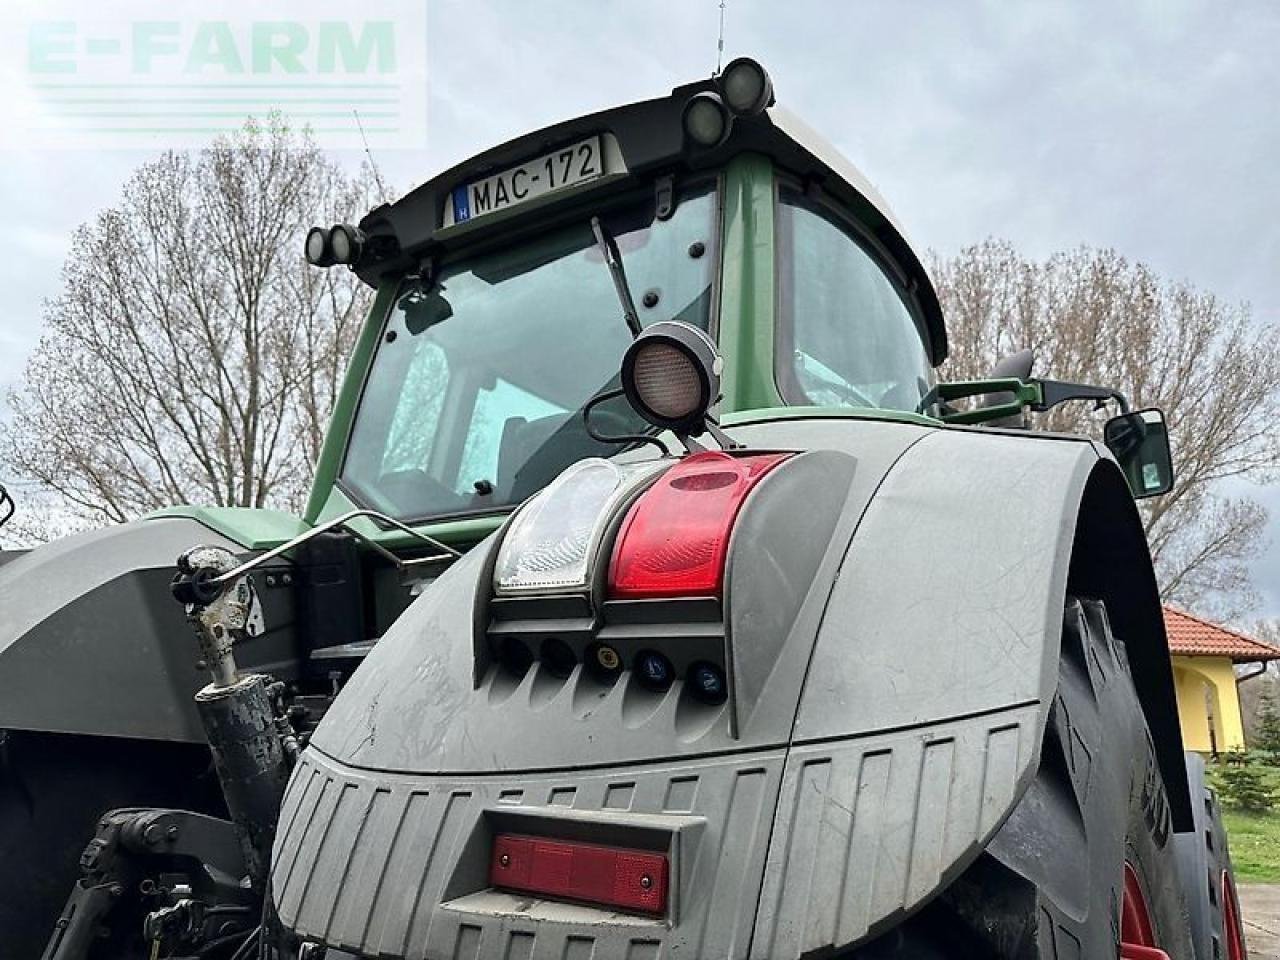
720	42
373	164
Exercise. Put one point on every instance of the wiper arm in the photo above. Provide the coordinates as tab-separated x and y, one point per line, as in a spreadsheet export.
613	260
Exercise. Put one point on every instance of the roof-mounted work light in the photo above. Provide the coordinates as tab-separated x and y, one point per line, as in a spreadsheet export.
342	243
745	87
671	376
318	249
743	90
346	242
706	120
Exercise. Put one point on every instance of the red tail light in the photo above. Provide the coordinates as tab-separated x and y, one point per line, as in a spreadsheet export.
674	539
609	876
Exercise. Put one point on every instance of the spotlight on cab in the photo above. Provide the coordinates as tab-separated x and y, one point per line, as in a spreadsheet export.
347	243
671	376
318	248
745	87
706	120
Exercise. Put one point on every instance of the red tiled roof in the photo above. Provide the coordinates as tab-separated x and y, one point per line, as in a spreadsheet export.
1191	636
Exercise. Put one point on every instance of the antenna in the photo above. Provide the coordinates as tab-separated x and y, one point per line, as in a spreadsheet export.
720	42
377	176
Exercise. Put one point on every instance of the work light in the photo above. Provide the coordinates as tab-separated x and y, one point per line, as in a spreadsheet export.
706	120
671	376
746	87
318	248
346	242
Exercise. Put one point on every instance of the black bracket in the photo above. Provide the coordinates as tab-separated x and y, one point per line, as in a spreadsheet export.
664	197
7	508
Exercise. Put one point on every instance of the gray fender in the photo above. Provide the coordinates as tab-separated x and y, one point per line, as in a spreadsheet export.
92	642
930	683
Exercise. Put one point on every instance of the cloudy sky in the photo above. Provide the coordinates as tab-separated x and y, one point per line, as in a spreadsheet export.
1152	127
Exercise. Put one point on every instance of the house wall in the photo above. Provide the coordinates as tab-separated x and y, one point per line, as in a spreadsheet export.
1208	704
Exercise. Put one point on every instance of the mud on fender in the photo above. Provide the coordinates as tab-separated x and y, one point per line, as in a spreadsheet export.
929	690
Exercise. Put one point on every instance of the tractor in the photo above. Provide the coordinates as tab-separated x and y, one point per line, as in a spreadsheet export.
655	599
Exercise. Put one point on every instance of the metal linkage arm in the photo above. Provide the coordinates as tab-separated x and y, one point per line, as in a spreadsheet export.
445	551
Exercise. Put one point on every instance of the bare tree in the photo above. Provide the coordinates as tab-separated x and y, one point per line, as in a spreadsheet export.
192	355
1094	316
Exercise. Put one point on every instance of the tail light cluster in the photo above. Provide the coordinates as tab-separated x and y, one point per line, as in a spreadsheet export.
675	538
672	542
592	558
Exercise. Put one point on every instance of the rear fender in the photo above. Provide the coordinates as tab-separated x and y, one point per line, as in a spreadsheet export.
933	673
92	642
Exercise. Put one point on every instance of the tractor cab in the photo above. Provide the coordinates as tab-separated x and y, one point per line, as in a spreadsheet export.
510	287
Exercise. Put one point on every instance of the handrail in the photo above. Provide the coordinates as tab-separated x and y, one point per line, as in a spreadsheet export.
446	552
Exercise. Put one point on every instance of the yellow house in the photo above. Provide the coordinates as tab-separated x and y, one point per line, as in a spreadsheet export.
1204	658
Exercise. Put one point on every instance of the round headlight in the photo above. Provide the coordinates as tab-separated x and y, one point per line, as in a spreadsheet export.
706	120
318	251
671	376
746	87
346	242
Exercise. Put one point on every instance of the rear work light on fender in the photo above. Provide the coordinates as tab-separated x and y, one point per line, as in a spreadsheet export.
674	540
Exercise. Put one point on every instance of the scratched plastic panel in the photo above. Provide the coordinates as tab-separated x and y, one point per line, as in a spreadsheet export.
870	827
363	861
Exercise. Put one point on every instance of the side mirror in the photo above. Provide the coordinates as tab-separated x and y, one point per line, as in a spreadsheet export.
1140	443
1014	365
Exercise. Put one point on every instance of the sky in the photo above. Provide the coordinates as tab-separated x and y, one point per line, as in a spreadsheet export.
1151	127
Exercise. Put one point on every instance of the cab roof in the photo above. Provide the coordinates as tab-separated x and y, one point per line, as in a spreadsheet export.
650	137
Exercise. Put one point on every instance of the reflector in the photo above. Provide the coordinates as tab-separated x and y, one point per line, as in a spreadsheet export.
675	537
613	877
549	545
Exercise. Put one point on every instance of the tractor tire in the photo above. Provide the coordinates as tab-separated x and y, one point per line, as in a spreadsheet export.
1051	883
1217	928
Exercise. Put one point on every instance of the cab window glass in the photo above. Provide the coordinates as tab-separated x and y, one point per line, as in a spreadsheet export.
847	335
474	398
500	411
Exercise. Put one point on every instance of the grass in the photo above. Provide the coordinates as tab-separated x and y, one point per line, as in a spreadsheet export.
1254	838
1255	845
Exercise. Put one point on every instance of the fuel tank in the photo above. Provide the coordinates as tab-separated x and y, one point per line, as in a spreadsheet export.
887	626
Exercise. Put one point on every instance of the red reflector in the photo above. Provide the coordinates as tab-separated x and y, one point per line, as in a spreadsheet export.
608	876
674	539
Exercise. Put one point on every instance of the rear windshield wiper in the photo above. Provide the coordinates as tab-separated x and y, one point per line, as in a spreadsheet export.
613	260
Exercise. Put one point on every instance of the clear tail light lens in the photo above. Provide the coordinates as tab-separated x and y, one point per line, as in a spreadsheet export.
549	545
675	537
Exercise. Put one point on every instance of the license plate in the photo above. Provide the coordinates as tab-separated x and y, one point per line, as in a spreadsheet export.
578	163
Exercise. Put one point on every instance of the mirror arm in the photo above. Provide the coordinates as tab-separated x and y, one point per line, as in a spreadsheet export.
1038	395
1054	392
1025	393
